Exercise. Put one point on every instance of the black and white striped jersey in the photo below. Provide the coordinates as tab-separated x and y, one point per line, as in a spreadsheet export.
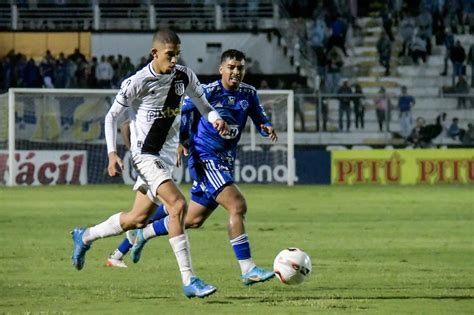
153	102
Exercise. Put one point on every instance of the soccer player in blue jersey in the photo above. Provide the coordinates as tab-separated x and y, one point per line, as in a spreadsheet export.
211	162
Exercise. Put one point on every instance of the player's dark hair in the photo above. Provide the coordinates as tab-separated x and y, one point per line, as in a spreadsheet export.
166	36
232	54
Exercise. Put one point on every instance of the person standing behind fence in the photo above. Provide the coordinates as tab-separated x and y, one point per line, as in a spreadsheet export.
359	108
345	105
405	104
104	74
382	107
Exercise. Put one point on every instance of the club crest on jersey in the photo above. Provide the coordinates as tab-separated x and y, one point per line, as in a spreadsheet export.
244	104
179	88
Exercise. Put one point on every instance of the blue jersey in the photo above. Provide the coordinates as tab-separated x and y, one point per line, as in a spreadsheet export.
234	108
211	158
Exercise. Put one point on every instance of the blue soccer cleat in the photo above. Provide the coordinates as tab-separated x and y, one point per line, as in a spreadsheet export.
198	288
138	243
80	249
257	275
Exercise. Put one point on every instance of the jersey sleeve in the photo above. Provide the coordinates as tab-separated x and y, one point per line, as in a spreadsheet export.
128	92
257	114
198	98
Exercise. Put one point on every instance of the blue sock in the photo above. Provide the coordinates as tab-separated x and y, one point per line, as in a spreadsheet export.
241	247
125	246
159	213
161	226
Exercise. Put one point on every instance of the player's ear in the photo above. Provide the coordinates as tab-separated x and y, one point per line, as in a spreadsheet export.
154	52
220	69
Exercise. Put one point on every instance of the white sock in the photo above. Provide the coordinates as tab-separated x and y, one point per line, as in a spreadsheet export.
109	227
180	245
246	265
148	232
117	255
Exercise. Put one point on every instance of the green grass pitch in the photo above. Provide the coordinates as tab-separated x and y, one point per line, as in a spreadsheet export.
375	250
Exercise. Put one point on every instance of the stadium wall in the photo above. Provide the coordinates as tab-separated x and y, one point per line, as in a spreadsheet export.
200	51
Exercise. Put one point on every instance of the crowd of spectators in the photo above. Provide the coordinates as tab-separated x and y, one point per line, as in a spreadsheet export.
73	71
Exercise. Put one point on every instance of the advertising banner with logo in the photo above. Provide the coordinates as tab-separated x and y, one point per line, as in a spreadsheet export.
35	167
402	167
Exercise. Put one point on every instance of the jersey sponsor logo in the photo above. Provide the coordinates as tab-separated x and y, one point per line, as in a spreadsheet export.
231	100
244	104
179	87
233	132
152	115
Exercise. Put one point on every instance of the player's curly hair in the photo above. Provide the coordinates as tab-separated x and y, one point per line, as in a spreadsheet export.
166	36
232	54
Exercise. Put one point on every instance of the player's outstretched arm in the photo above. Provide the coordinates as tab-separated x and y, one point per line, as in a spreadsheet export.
270	131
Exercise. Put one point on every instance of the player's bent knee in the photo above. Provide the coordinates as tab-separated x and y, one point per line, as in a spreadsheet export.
195	223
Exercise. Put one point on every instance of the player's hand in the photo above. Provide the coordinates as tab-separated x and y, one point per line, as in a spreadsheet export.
182	151
114	160
221	126
271	132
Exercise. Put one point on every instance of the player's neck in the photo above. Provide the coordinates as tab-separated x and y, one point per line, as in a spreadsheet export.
228	88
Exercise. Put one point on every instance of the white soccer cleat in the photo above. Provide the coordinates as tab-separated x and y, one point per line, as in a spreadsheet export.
112	262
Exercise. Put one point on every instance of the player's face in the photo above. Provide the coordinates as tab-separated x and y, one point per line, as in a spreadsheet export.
232	73
165	56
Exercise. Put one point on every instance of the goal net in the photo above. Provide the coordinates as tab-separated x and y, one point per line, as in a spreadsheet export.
56	137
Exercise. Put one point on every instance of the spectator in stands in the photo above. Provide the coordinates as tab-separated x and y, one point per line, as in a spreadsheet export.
417	136
19	72
77	55
418	48
405	104
104	73
345	105
387	21
333	71
127	69
454	132
91	79
382	109
47	70
448	44
468	138
359	108
425	28
317	42
338	35
32	76
322	110
457	56
299	102
470	61
384	49
61	72
461	87
407	29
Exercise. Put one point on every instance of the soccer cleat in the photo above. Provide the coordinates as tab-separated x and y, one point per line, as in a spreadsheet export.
112	262
256	275
198	288
80	249
138	244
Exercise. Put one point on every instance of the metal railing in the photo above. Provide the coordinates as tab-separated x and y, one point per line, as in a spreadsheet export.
143	15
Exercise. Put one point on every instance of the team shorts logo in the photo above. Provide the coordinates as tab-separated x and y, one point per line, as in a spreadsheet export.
244	104
179	88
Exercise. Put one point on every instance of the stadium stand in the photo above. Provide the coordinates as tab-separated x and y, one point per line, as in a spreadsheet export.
310	35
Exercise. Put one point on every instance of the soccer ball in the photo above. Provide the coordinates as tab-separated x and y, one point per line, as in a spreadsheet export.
292	266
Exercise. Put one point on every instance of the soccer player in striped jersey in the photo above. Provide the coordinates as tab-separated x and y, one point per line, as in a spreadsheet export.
153	97
211	162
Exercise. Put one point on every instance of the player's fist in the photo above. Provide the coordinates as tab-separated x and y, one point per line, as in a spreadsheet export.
221	126
271	132
182	151
114	161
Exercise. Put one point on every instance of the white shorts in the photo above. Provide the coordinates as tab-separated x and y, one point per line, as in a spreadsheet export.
152	172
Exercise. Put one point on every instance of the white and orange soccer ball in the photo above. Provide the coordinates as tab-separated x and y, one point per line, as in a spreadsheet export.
292	266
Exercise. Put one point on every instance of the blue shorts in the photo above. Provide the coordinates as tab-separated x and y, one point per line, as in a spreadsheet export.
211	175
199	196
